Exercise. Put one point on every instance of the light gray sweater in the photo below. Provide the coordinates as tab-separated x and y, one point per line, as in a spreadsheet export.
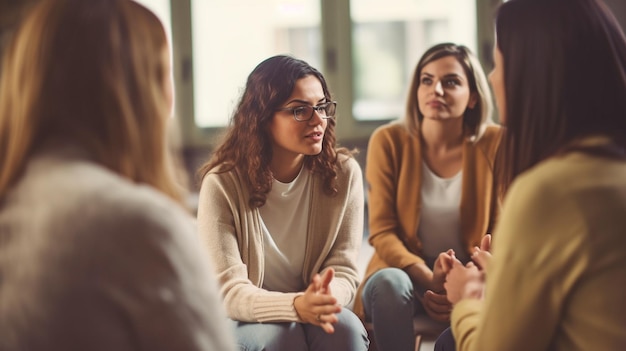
232	232
90	261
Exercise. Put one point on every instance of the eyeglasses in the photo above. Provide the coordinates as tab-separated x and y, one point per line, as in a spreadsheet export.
305	113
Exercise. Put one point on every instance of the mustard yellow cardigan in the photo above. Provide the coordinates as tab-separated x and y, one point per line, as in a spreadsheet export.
393	175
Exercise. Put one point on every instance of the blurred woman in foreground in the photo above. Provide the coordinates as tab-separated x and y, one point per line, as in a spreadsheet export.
557	279
96	249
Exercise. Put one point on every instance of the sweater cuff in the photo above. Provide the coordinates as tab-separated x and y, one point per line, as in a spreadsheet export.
276	308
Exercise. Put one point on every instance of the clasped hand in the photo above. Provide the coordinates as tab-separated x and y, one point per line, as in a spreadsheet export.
434	300
317	306
467	281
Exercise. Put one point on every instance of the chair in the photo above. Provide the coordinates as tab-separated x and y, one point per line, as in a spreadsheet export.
424	327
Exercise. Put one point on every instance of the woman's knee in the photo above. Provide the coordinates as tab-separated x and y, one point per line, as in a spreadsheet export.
270	336
389	279
350	334
350	326
390	284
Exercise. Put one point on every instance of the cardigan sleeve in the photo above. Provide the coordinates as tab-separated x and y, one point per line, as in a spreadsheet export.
227	226
494	133
343	254
384	156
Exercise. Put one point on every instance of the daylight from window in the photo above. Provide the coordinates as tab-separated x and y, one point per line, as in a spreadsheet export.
389	36
230	37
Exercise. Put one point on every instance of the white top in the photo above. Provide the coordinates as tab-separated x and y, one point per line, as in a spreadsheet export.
440	222
232	232
284	220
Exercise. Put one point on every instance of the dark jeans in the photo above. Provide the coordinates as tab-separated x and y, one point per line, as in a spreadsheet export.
445	341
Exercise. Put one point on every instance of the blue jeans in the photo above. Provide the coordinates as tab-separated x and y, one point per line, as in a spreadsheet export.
349	335
389	303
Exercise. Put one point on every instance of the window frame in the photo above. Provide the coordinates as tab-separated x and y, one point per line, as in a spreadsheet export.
336	33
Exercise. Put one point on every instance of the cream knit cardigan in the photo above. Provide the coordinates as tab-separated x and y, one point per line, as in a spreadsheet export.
232	232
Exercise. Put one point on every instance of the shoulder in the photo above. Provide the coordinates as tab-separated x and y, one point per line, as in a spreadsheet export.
349	174
96	217
391	131
485	147
563	198
553	184
135	230
102	204
347	162
548	173
133	213
348	167
572	172
492	132
490	137
224	182
222	174
221	193
391	140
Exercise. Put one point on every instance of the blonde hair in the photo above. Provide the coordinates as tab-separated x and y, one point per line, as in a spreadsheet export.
476	119
91	73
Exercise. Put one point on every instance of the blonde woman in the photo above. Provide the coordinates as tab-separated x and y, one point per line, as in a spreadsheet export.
431	190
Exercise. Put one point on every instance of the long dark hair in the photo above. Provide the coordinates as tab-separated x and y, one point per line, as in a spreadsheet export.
247	145
564	79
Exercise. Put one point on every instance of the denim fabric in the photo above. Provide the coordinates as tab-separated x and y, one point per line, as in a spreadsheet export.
389	303
445	341
349	335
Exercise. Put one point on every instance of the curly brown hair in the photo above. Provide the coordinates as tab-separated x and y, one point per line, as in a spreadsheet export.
247	145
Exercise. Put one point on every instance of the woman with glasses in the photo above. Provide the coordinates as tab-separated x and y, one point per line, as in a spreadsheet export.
431	190
281	212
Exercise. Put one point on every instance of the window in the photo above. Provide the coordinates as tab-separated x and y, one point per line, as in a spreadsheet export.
388	40
230	37
367	50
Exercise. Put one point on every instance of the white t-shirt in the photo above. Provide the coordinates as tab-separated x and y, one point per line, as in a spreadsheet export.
440	220
285	218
